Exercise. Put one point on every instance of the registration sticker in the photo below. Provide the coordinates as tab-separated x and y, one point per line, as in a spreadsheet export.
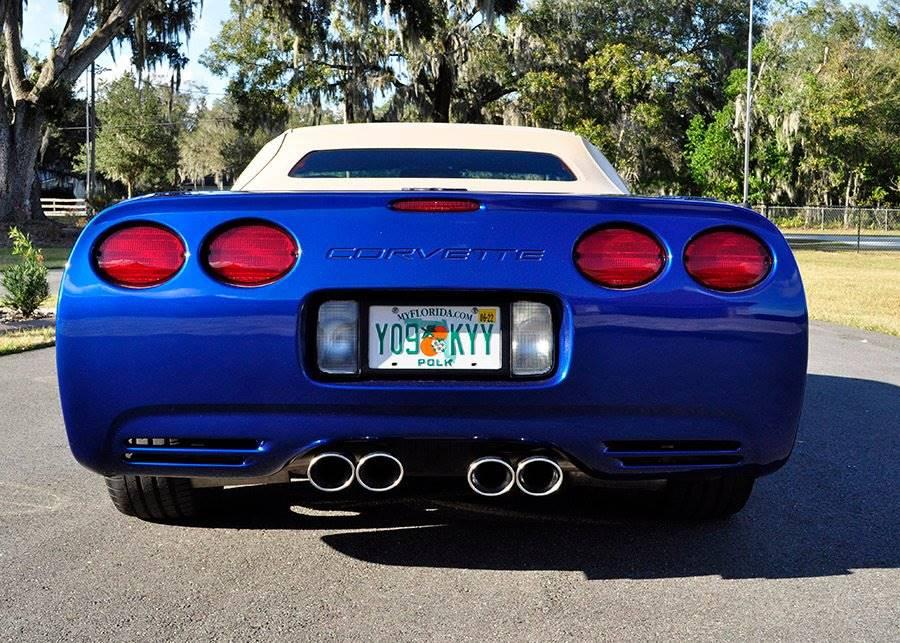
487	315
435	338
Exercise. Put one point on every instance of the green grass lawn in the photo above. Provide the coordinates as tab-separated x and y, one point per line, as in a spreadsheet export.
54	257
18	341
853	289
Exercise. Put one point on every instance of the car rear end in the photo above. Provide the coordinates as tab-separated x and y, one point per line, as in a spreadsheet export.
227	338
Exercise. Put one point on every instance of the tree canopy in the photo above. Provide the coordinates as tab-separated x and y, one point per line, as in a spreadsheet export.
136	144
826	112
658	85
211	145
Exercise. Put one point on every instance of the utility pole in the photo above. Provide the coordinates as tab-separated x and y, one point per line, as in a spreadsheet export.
92	133
747	115
87	138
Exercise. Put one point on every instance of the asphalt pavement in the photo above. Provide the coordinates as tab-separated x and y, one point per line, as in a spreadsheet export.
54	278
814	556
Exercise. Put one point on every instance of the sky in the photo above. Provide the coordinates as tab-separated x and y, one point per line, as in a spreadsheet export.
44	20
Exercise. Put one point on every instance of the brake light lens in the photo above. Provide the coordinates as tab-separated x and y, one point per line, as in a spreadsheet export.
251	254
435	205
619	257
727	260
139	256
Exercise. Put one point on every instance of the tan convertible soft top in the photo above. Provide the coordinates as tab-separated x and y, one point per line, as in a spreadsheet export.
270	169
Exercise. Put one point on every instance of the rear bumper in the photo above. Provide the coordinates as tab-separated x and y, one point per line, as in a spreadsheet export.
657	381
606	443
619	379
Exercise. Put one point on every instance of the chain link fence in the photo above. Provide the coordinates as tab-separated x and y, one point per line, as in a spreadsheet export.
837	228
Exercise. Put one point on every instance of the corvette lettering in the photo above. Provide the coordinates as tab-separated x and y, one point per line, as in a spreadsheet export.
432	254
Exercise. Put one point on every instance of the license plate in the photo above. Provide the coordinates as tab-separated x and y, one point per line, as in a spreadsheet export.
451	338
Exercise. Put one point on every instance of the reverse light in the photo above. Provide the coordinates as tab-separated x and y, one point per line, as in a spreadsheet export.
139	255
532	338
337	333
727	260
619	257
251	254
435	205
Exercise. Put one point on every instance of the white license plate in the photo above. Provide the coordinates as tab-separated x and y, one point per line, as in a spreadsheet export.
451	338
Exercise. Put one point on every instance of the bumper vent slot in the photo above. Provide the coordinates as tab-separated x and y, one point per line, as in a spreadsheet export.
668	453
190	451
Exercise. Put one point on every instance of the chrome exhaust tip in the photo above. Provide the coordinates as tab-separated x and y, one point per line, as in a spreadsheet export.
538	476
330	472
379	471
491	476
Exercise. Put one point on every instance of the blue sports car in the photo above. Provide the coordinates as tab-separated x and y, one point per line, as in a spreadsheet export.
377	305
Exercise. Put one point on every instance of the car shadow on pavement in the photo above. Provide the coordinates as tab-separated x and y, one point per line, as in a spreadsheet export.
834	508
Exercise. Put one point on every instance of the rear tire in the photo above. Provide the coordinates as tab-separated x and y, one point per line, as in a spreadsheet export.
153	498
706	498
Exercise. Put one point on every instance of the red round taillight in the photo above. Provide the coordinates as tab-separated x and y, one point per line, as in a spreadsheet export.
727	260
251	254
139	256
619	257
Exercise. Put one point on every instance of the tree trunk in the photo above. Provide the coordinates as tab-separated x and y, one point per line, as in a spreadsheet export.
20	143
443	92
349	102
370	104
37	211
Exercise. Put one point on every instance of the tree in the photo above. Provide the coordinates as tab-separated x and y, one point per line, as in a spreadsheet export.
425	59
828	100
152	27
445	45
214	146
629	76
659	86
642	95
825	112
281	57
136	144
200	147
713	153
271	71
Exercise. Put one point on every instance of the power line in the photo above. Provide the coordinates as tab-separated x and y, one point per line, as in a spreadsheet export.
142	124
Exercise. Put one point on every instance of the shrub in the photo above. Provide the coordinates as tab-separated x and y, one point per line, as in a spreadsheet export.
796	221
26	280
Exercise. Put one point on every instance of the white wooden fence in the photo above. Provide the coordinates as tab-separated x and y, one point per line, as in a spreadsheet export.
64	207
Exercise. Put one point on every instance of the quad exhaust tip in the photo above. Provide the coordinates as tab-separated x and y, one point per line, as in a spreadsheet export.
379	471
538	476
331	472
491	476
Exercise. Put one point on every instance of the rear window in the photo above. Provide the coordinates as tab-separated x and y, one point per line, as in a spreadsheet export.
405	163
